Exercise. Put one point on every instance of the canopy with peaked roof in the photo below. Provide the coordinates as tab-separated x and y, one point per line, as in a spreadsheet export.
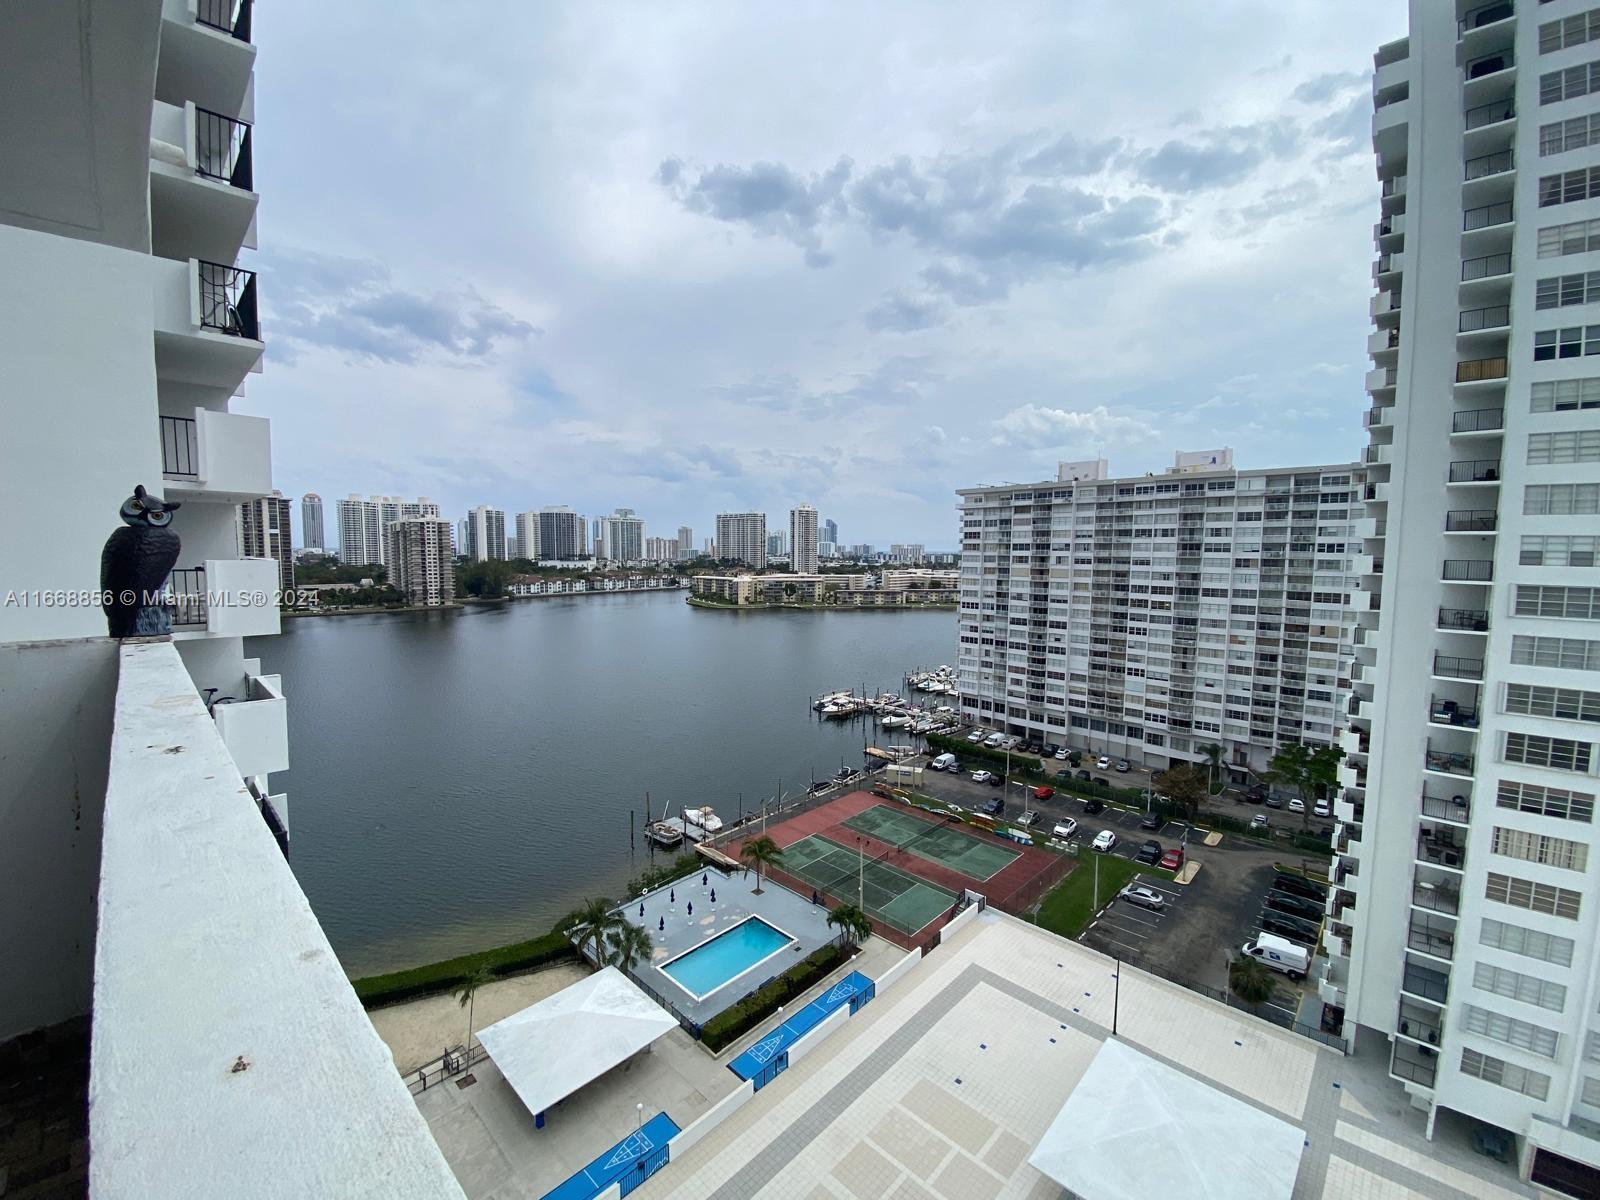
1135	1128
551	1049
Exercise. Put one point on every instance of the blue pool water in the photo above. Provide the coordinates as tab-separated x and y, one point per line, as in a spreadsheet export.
728	955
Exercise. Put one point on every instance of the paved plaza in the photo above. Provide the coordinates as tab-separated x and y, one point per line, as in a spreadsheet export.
683	915
942	1086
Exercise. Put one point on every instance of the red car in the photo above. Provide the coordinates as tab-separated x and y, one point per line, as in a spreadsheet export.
1172	859
1043	793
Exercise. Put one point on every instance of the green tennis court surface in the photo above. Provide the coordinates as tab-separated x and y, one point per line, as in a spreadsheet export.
900	901
938	844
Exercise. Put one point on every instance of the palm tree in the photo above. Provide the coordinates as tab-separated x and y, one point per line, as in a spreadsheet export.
1250	981
761	852
852	924
1213	752
594	921
466	994
629	943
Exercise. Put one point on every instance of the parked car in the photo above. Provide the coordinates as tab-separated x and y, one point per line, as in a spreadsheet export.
995	806
1152	821
1028	819
1258	823
1295	906
1144	897
1290	927
1065	828
1090	807
1124	766
1104	841
1279	955
1064	773
1172	859
1300	886
982	776
1102	781
1150	853
1043	793
1256	793
993	740
1051	749
944	762
1297	805
1102	762
1082	775
1272	801
1063	756
977	735
1322	809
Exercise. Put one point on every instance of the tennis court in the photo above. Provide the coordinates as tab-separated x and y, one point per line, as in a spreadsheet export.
938	844
900	901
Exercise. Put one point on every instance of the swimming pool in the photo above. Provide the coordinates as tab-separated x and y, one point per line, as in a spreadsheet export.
716	963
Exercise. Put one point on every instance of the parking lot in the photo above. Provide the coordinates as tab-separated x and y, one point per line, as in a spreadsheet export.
1202	924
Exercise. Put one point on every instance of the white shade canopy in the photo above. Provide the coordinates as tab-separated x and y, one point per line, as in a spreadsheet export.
1134	1128
551	1049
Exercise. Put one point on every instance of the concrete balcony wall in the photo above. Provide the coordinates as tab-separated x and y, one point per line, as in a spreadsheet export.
185	350
234	458
255	728
242	600
220	1010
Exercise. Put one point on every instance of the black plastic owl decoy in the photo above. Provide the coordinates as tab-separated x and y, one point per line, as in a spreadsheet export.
135	564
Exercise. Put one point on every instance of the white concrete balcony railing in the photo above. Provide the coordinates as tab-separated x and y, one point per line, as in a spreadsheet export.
226	597
230	1056
218	456
206	52
206	327
202	198
255	726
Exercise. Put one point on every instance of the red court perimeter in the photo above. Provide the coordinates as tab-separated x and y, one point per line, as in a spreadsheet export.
1014	888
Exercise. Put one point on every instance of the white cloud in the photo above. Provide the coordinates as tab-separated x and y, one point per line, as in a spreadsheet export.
1098	428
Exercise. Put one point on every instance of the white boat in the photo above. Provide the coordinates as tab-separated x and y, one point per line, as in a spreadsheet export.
701	823
896	721
831	698
664	832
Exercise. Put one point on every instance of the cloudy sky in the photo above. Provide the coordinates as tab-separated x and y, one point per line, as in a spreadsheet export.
690	258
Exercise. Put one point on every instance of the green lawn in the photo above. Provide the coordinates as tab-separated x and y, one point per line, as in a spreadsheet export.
1071	906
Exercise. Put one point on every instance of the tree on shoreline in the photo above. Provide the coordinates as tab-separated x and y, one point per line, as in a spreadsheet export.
595	923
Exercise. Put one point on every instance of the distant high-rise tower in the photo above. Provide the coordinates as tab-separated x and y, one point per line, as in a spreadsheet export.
742	537
264	533
623	535
311	535
829	532
803	539
421	560
486	534
360	532
685	542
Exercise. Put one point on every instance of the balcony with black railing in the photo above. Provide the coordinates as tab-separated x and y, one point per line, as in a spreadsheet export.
1485	266
1474	470
1433	936
1457	808
1448	762
1468	570
231	17
1492	113
1471	520
1428	982
1486	165
188	588
1478	420
1445	710
1442	847
1436	895
223	150
180	448
1486	216
1474	320
1492	63
1480	370
228	301
1421	1023
1450	666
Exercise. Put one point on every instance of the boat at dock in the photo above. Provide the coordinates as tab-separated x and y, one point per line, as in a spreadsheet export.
664	833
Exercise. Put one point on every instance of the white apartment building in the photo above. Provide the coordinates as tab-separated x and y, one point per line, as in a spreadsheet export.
311	534
560	533
1143	617
685	542
422	560
143	846
622	536
1465	930
660	550
363	522
485	530
803	539
907	552
742	537
524	539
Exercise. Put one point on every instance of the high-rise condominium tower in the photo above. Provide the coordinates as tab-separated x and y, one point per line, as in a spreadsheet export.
422	559
743	537
803	539
685	542
1149	616
1462	937
311	533
264	533
486	534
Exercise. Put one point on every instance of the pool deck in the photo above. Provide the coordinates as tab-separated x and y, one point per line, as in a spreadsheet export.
794	915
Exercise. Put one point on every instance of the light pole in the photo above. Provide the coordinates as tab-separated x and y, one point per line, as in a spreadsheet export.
640	1107
1096	879
1116	997
861	876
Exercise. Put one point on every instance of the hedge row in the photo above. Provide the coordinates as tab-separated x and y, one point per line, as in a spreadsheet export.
378	990
763	1002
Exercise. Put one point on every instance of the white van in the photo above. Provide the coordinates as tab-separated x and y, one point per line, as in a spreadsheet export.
1280	954
944	762
993	740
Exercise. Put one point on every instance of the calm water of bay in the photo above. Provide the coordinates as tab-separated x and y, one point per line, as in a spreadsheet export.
462	779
